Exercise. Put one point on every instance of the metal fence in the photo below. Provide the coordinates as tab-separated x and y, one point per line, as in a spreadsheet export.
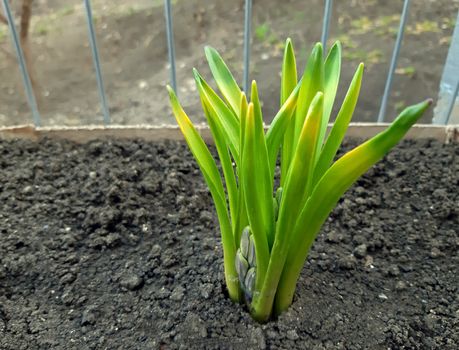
444	112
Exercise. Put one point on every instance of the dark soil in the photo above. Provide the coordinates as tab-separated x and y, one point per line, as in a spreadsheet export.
133	50
115	245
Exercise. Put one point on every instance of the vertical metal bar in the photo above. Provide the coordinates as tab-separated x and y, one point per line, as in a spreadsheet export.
170	43
96	61
326	23
447	94
247	34
449	111
393	63
22	65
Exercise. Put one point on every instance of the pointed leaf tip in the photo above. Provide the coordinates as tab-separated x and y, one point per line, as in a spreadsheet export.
318	46
172	95
337	44
411	114
254	90
208	48
197	76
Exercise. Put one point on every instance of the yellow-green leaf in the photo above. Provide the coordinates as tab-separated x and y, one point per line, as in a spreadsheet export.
332	69
229	123
212	177
293	195
339	128
297	185
337	180
198	148
224	79
221	144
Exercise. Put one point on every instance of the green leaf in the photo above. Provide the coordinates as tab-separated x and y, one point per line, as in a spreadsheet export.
264	163
299	176
293	198
242	220
227	120
312	83
288	82
212	177
243	108
332	69
337	180
254	98
253	178
263	183
221	144
289	75
339	128
277	129
224	79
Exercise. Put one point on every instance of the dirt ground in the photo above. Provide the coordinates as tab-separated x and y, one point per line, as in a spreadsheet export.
115	245
133	52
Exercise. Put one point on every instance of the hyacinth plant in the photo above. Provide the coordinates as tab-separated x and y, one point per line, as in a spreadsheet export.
267	232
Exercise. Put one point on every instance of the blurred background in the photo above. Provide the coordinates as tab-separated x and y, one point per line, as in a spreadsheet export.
133	51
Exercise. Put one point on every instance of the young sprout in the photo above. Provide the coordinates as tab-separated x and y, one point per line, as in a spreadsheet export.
267	232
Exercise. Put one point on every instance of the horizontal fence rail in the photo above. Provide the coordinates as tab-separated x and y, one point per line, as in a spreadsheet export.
445	134
328	4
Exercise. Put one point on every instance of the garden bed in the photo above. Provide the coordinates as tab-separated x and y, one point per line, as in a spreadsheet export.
115	244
